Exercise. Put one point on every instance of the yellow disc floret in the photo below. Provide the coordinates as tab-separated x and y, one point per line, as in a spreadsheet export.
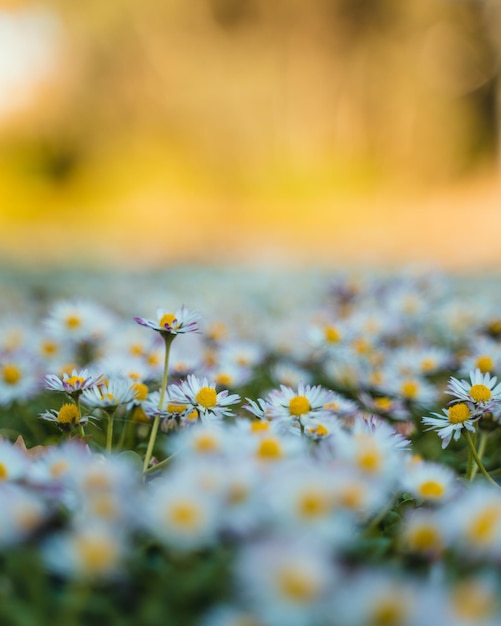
409	389
4	472
207	397
458	413
68	414
140	391
11	374
168	319
74	381
72	322
269	449
299	405
431	489
297	585
480	393
424	538
485	363
185	515
96	554
331	334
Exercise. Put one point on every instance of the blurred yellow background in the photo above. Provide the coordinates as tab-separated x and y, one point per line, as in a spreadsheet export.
254	131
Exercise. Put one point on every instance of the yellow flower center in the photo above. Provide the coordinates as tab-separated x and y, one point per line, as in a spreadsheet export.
484	526
480	393
485	363
458	413
206	443
138	415
59	468
103	506
176	408
224	379
49	348
68	414
431	489
296	585
299	405
424	539
136	349
269	449
313	504
4	472
473	603
140	391
97	556
109	397
352	496
74	381
193	416
72	322
258	427
167	319
321	430
331	334
409	389
384	403
207	397
376	377
388	612
11	374
369	460
185	515
427	365
153	359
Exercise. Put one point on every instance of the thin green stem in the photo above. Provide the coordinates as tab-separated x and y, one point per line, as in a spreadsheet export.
109	432
477	459
80	426
159	465
125	430
481	451
154	430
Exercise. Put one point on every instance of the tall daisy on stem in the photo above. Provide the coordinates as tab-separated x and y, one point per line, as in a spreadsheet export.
471	401
168	325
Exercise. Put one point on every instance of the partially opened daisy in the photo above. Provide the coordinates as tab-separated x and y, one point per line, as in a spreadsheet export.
199	395
452	421
73	383
481	389
168	323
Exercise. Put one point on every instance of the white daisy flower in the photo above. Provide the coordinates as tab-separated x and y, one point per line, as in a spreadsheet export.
450	424
168	323
429	482
110	395
73	383
78	321
307	402
286	582
94	551
481	389
424	531
67	417
182	516
19	380
195	394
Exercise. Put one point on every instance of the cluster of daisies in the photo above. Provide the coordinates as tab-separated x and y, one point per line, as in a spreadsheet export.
296	438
